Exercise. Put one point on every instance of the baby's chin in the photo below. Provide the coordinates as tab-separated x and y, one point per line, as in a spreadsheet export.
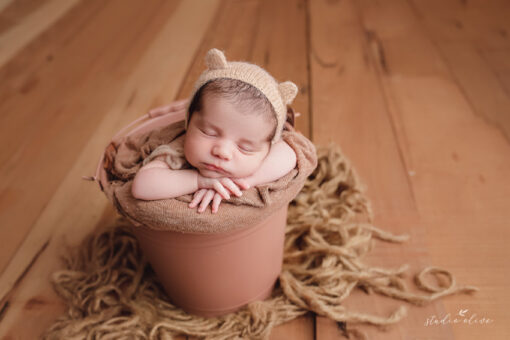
211	173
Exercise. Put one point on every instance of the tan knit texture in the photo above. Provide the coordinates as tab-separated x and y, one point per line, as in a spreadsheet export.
279	94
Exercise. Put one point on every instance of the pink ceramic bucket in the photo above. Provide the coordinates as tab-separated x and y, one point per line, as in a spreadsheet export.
209	274
214	274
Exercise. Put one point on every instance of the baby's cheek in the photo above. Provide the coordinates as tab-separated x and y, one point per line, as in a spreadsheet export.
252	165
190	150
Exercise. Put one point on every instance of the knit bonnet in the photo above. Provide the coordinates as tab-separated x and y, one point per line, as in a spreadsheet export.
278	94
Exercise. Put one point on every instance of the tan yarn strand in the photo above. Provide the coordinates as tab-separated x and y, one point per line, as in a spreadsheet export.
111	292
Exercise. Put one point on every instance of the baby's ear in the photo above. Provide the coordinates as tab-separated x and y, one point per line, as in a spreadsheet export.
215	59
288	90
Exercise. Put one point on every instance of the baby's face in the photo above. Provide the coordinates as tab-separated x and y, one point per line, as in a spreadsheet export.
222	141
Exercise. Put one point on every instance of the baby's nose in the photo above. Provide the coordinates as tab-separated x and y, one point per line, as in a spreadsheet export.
222	151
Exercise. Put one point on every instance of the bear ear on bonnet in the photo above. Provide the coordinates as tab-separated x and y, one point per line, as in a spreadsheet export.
215	59
288	90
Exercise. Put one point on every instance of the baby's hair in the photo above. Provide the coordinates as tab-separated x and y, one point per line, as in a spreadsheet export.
238	93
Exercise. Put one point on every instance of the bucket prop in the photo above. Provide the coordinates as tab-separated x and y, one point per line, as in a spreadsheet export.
207	274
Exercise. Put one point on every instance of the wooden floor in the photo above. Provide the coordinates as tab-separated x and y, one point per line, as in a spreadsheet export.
417	94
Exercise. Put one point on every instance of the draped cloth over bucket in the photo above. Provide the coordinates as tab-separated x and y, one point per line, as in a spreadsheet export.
257	203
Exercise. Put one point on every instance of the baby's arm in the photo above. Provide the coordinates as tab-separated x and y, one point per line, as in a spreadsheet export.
156	181
279	162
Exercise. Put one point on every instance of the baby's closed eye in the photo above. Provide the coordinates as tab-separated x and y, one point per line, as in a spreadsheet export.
209	132
248	148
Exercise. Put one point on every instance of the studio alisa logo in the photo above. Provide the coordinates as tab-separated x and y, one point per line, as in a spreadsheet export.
462	317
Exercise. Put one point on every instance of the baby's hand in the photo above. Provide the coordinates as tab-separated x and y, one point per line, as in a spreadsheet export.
204	197
221	185
174	107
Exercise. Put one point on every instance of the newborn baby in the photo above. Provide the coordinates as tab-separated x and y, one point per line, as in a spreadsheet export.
233	137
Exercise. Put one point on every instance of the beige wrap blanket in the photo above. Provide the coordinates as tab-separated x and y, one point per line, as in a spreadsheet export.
257	203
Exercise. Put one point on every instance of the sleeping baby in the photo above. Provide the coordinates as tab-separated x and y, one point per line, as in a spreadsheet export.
234	124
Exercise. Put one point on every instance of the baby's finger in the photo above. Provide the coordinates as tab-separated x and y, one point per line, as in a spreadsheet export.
227	182
197	197
179	105
160	111
206	200
221	190
216	203
242	183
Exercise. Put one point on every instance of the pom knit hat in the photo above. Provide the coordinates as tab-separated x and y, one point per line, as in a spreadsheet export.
279	94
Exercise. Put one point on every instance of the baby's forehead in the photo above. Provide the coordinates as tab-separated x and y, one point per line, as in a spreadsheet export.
247	128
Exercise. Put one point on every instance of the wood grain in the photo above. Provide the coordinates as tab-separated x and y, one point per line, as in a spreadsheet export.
75	208
348	60
416	93
14	39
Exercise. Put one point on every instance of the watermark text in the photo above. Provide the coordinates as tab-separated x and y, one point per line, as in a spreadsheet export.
462	317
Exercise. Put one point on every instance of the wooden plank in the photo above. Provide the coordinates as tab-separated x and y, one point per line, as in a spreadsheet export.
74	210
5	4
19	36
299	328
28	141
465	57
254	31
499	62
482	26
13	12
436	129
460	137
484	91
484	23
69	109
351	107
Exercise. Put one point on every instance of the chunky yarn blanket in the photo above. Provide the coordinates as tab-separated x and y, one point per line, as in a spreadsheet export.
112	293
